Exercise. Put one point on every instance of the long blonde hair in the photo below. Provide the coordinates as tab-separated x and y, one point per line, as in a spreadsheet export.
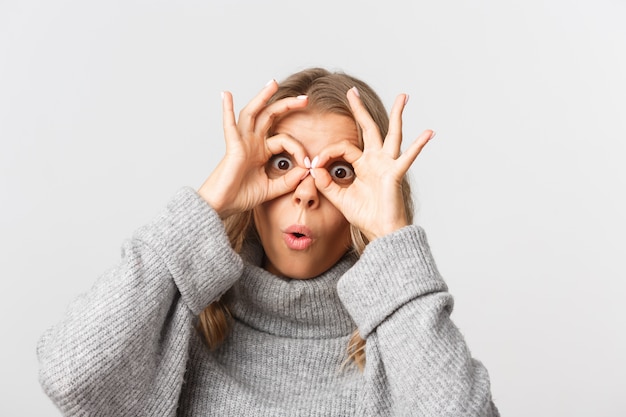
327	94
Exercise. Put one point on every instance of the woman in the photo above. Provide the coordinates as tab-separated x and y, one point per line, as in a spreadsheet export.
291	283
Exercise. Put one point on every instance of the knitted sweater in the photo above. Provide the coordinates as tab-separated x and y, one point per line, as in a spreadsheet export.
129	346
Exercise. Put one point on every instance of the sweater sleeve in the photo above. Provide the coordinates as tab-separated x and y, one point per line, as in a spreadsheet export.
416	358
122	348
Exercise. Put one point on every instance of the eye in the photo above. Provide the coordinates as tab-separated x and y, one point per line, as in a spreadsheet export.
279	164
342	172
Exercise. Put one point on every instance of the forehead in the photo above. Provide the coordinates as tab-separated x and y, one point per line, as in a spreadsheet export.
316	130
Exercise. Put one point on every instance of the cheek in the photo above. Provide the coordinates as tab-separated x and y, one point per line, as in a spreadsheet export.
339	224
265	217
259	215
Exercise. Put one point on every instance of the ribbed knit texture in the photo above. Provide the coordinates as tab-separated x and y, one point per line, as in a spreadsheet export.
129	348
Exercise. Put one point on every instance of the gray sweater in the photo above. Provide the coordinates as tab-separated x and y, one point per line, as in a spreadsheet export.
129	346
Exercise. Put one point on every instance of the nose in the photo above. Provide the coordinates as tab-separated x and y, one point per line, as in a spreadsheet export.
306	193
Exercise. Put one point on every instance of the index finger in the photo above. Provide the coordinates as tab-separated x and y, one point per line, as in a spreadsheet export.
250	111
267	116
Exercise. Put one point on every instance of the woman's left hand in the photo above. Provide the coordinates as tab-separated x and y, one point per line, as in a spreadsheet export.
374	201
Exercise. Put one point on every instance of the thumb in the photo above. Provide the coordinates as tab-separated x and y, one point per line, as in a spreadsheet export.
285	183
329	189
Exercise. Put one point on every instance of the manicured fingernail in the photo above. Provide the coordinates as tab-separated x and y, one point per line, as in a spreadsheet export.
312	171
314	162
307	162
406	99
270	82
356	91
222	94
303	97
433	135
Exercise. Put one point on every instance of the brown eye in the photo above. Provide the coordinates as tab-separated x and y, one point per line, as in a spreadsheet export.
280	164
342	173
283	164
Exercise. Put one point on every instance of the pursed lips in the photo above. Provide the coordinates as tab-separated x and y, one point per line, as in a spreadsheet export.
298	237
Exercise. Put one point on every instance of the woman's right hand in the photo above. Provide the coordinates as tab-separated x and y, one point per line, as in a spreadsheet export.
240	181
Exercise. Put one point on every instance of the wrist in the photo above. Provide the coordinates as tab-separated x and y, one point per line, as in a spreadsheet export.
384	230
216	203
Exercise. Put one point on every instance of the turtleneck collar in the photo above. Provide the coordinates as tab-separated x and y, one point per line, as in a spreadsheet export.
286	307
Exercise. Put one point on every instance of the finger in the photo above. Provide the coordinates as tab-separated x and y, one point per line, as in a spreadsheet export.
329	188
285	183
371	133
266	117
345	150
228	118
408	157
249	113
284	143
393	141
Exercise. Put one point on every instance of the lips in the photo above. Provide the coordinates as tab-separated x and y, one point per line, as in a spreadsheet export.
298	237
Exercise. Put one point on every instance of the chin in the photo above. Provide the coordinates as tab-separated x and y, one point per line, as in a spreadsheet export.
302	276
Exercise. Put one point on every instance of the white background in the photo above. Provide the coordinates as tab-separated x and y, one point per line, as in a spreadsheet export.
108	107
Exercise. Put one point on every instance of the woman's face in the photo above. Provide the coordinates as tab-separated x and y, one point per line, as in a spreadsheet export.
302	233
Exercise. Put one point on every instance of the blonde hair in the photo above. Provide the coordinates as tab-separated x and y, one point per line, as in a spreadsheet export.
327	94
